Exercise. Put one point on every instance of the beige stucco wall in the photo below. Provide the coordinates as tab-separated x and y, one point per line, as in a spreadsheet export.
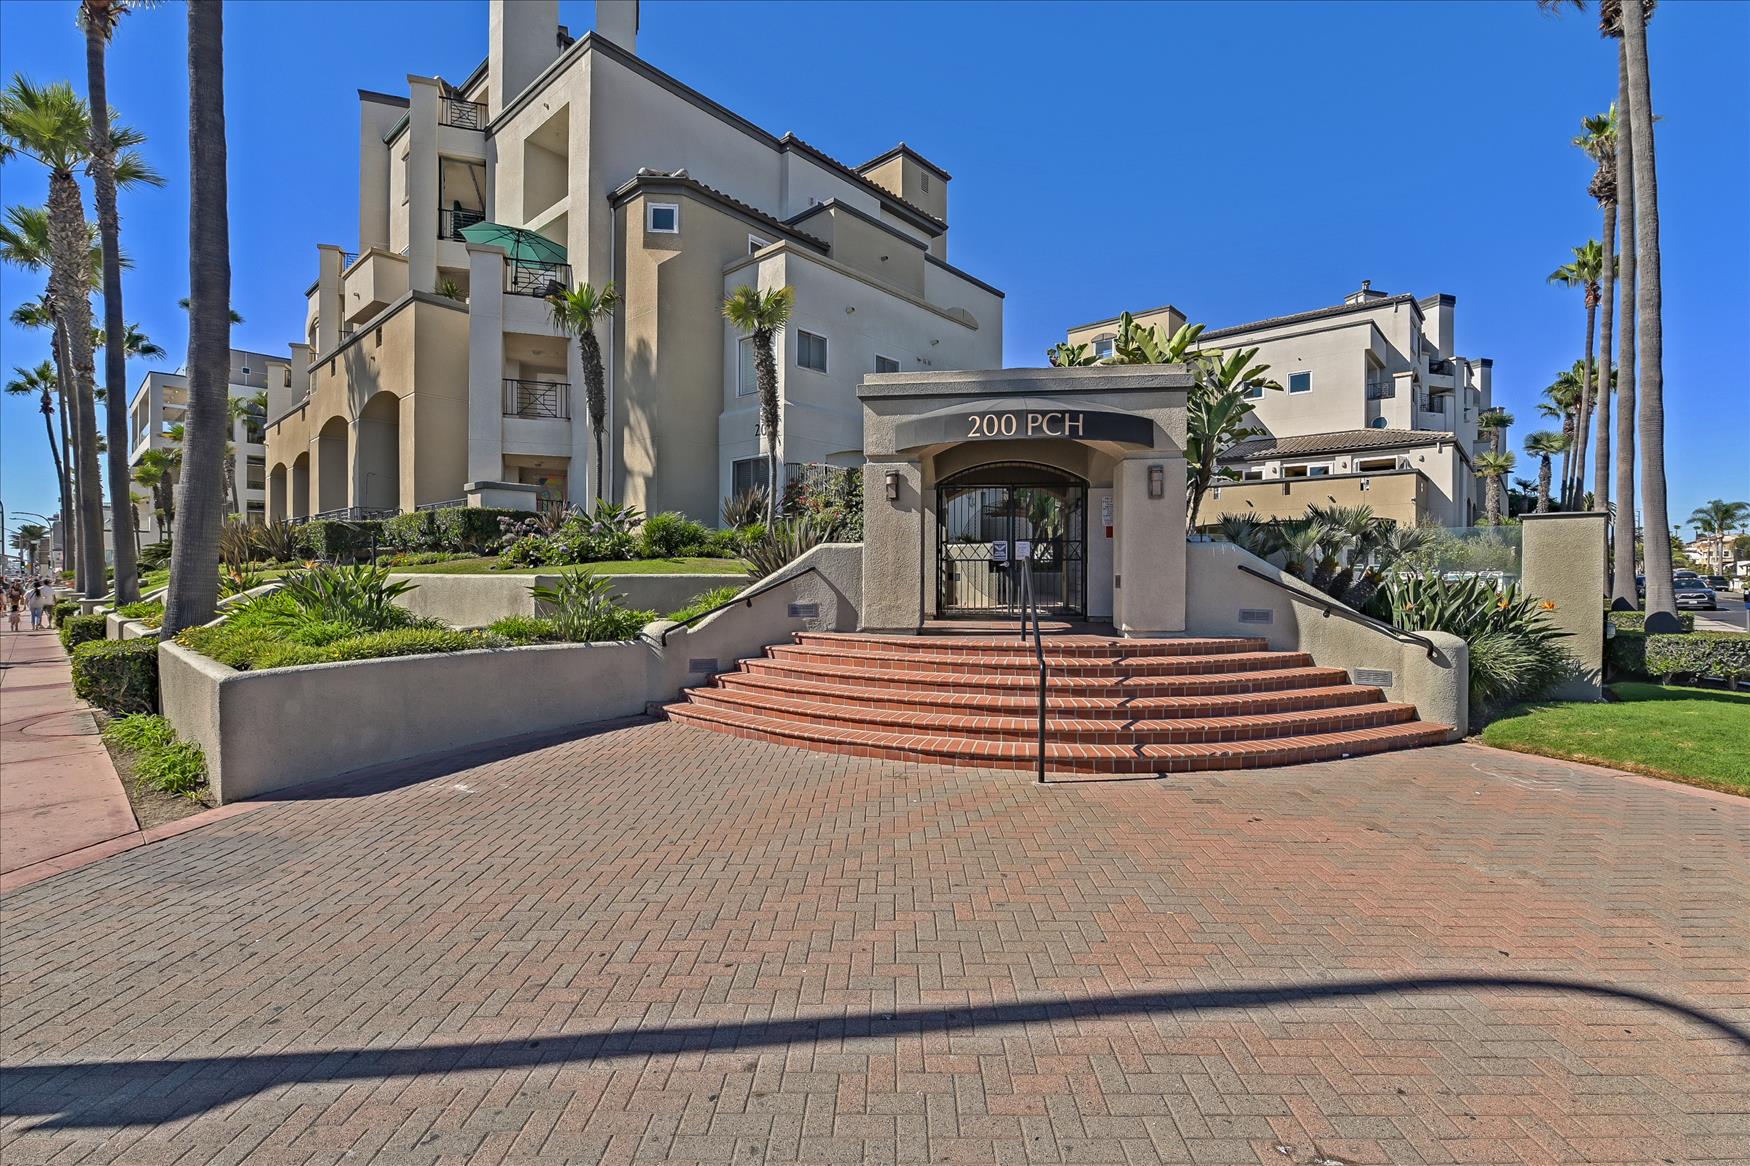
1563	563
473	601
1400	495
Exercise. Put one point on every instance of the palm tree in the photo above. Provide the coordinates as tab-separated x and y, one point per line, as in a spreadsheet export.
1495	422
1715	521
1583	272
42	382
194	559
576	313
1655	510
762	315
1492	467
1217	415
252	408
1562	404
1598	140
27	538
1543	445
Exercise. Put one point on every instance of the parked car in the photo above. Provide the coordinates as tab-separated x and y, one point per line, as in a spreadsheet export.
1695	594
1718	582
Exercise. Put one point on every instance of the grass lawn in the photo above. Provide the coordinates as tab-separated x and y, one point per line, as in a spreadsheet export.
485	566
1696	735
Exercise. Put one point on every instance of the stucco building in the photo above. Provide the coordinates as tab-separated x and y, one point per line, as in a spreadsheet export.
161	402
430	365
1377	406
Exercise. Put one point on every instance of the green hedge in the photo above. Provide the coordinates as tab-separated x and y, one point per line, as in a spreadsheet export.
1717	655
1625	655
81	629
334	541
119	676
1636	621
455	528
63	609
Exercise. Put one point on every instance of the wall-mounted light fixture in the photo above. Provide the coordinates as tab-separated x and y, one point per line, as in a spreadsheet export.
1157	481
892	485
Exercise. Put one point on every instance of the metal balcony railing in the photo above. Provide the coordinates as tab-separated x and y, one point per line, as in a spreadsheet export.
464	115
537	400
523	278
1381	391
451	222
348	258
446	504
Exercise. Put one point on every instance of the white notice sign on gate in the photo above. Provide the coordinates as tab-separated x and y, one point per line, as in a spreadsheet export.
999	551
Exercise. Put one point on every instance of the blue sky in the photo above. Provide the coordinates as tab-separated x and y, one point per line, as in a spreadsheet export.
1238	160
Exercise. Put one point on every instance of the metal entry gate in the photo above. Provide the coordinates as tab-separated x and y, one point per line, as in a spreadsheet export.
989	519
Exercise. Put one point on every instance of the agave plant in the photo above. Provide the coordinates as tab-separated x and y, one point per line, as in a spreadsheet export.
783	543
1515	654
361	596
745	508
237	543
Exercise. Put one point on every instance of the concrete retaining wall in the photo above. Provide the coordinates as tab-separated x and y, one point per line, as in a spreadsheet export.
473	601
1218	594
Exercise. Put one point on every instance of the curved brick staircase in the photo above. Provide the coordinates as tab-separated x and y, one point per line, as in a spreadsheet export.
1115	706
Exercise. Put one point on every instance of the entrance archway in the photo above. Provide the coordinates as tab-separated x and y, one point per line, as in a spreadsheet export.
990	518
379	452
332	487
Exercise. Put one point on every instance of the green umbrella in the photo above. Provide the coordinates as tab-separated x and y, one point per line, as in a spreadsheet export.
521	245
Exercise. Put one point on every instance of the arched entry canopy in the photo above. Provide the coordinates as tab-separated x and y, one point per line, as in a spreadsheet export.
1023	418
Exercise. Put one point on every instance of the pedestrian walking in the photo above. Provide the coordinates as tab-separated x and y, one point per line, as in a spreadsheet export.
14	606
40	598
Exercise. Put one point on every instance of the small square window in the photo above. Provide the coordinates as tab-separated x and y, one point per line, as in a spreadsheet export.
1254	392
886	364
663	218
1104	348
1300	382
747	381
811	351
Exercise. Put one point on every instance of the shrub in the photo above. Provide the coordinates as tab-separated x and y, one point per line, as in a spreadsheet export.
119	676
257	649
784	542
421	558
279	542
585	609
1636	621
1625	654
154	556
148	611
672	535
705	601
831	497
361	596
63	609
1717	655
474	529
404	642
161	762
1514	651
249	649
410	532
526	629
80	629
745	509
335	541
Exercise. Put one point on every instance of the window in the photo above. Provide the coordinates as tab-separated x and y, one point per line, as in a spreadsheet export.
756	244
1104	347
1300	382
1251	475
1378	423
406	176
1309	471
663	218
747	380
926	179
748	473
1317	471
885	363
1254	392
811	351
1376	465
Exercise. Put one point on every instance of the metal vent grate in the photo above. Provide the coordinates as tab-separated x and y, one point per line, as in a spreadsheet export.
1378	677
1257	615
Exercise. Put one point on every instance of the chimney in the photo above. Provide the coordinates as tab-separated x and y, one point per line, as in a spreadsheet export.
1366	295
617	20
523	40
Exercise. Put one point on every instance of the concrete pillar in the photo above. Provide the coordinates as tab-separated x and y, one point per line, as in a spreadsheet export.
522	40
1148	553
894	579
330	298
422	183
1563	563
485	363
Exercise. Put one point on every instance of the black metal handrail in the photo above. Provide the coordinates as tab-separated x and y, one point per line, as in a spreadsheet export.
746	597
537	400
1332	607
1030	605
464	115
451	222
523	278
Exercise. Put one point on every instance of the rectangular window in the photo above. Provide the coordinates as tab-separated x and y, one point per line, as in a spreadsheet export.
756	244
885	364
811	351
747	380
1104	348
1251	475
926	179
1317	471
1376	465
663	218
746	474
406	176
1300	382
1254	392
1310	471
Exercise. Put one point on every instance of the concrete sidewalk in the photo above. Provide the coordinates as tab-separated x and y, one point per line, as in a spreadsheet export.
58	790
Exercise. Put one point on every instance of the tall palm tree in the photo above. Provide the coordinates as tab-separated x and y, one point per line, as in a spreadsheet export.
41	382
1623	589
1492	467
194	559
99	19
27	538
1562	403
1716	520
1543	445
762	315
1495	422
1584	272
1598	139
1649	295
576	313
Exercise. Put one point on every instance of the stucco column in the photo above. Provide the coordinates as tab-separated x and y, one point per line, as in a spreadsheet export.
422	182
1563	564
1148	553
485	363
894	571
330	299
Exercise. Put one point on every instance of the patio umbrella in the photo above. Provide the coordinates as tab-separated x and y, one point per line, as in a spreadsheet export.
520	245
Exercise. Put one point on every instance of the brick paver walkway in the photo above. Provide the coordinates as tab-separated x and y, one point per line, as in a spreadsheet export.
668	945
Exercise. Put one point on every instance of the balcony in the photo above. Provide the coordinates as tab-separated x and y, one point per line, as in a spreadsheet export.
537	400
452	222
1382	390
523	278
372	285
463	115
